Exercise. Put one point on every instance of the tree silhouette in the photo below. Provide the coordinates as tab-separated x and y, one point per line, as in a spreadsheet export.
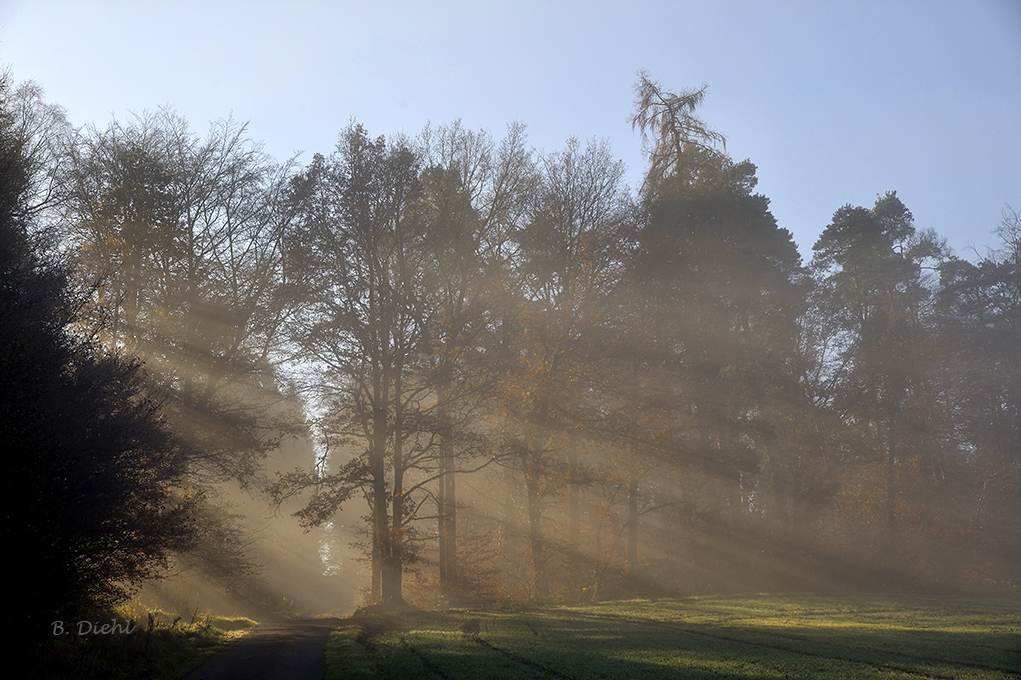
94	487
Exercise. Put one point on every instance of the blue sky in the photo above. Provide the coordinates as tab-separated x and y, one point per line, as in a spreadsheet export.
835	102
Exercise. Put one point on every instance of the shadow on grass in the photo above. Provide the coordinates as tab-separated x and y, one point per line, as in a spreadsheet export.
747	639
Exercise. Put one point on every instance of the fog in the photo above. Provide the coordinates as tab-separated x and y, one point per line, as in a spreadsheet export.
450	368
293	571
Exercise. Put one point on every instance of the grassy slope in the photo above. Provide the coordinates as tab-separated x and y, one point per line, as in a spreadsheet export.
761	637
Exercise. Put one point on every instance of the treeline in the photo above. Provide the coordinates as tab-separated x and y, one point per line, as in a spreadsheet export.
536	382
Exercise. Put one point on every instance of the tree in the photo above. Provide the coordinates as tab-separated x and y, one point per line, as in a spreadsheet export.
47	139
473	196
354	266
979	369
175	243
712	288
563	267
95	492
178	241
881	381
670	130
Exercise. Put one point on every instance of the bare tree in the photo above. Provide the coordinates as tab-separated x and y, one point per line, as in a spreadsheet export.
179	239
352	280
563	267
474	196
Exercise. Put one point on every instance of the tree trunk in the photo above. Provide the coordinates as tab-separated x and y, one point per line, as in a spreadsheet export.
535	528
377	467
632	527
511	528
573	509
447	511
377	559
394	576
597	571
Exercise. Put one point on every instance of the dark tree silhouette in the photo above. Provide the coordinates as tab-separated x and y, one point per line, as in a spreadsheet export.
94	502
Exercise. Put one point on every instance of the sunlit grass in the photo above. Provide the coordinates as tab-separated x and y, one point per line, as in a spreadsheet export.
756	637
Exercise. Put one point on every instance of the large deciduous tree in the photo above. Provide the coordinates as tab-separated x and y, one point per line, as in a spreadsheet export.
473	196
354	265
560	284
175	241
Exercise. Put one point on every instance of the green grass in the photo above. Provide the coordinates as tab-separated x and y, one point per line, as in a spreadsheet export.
740	638
347	658
161	647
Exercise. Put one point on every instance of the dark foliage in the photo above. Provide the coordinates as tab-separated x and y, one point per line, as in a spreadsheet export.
93	497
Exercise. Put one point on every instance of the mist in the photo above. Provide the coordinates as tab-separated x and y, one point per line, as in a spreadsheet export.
449	368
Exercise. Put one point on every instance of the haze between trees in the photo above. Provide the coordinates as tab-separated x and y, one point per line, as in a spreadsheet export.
567	387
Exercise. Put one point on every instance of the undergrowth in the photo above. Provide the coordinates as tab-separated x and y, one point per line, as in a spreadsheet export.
129	643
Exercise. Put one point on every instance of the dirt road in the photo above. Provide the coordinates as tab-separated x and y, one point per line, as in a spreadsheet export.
291	651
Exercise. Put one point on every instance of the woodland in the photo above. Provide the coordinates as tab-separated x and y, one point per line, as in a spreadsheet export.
522	379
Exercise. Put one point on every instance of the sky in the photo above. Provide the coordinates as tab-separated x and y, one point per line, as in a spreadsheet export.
835	102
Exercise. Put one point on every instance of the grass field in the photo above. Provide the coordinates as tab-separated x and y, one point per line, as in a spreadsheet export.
747	638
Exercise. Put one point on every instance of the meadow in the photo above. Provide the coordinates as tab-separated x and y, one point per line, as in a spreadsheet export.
716	637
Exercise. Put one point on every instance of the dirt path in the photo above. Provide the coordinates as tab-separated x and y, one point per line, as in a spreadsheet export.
291	651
